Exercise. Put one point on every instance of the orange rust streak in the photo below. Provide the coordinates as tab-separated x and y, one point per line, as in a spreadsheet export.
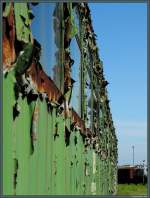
43	83
9	54
88	28
79	122
12	32
7	58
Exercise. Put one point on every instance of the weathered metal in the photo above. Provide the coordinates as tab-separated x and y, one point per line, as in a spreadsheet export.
49	149
9	54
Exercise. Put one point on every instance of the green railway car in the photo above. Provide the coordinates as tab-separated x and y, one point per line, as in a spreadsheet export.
58	132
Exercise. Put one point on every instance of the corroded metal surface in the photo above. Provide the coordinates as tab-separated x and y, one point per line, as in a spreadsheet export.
50	147
9	54
43	83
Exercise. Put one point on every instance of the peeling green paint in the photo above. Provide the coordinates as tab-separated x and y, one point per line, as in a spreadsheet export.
7	9
45	152
22	22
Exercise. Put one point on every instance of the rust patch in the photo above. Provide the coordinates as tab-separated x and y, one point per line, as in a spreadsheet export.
78	121
43	83
7	53
8	40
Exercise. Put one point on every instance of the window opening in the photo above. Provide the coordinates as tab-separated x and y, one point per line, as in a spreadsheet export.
75	75
45	29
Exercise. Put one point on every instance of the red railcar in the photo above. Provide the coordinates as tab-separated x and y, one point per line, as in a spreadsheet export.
131	174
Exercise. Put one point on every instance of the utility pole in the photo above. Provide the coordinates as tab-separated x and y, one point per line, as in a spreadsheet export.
143	171
133	154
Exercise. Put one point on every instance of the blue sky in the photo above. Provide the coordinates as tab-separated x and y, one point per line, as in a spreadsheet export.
122	39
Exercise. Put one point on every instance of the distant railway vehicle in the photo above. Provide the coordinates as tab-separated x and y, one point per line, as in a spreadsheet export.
131	174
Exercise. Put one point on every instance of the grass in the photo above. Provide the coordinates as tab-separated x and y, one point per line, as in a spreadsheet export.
132	189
